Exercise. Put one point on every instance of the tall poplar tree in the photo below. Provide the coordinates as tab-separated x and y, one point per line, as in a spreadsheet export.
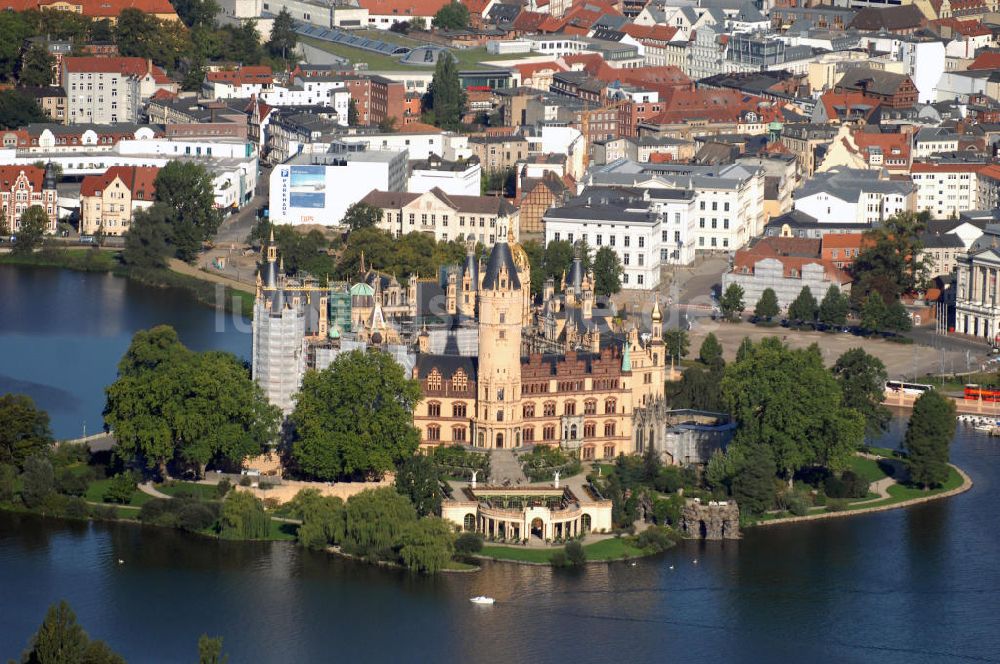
445	98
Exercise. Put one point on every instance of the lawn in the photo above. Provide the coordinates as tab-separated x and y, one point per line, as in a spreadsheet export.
193	489
866	469
614	548
282	531
95	494
901	492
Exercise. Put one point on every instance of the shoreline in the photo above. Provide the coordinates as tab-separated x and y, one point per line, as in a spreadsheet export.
200	286
966	485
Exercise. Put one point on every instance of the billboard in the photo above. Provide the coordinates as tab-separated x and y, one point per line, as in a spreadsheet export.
307	186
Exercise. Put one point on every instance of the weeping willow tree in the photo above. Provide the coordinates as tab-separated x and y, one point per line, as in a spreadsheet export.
376	520
243	517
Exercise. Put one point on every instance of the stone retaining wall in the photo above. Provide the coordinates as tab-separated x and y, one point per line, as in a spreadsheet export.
966	485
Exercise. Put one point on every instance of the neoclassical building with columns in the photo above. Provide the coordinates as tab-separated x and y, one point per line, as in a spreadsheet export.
583	399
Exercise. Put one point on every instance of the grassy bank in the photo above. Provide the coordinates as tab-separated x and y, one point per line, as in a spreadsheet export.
81	260
614	548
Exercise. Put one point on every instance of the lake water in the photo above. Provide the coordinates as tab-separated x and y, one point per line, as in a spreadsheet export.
914	585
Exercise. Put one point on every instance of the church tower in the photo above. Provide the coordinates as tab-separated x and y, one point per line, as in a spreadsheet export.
501	317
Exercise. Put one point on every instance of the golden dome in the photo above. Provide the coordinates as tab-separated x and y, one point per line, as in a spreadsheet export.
517	252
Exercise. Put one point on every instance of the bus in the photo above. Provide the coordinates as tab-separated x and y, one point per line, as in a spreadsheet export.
894	387
980	393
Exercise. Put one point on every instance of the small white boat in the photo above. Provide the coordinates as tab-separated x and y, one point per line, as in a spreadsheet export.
482	599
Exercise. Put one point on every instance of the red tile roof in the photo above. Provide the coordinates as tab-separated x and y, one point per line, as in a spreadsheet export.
137	67
839	104
403	8
140	180
96	8
653	33
968	28
893	146
9	174
792	253
987	60
247	75
844	241
929	167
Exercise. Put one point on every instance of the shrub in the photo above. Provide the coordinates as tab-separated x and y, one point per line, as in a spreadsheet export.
848	485
103	512
245	481
38	481
71	483
243	517
76	508
120	489
153	510
195	516
655	539
222	488
575	555
798	506
668	510
469	543
265	486
838	505
8	482
669	479
53	504
558	559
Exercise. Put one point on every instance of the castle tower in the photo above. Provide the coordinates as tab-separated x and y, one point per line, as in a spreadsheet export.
451	295
501	317
470	281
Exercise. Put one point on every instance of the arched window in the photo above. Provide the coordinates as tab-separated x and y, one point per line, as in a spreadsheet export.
584	519
588	453
609	451
469	522
572	432
589	429
549	409
458	409
590	407
609	429
609	406
433	432
569	408
549	432
458	434
434	409
529	410
529	434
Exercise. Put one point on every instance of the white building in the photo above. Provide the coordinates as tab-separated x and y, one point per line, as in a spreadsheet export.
630	226
240	83
318	188
419	144
945	190
309	92
854	196
457	178
110	90
934	140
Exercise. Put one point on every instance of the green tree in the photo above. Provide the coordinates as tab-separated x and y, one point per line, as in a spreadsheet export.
283	37
352	113
417	479
38	480
559	256
536	259
873	313
893	261
710	352
678	343
16	27
607	272
24	430
862	382
745	349
323	519
354	418
120	488
445	98
61	640
767	306
142	35
575	554
361	215
753	484
187	191
243	517
210	650
453	16
786	400
804	308
8	482
18	109
33	224
147	241
199	408
197	13
731	304
896	319
698	389
427	545
375	522
928	438
834	307
36	68
151	349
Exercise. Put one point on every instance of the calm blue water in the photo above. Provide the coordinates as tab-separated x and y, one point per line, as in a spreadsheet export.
62	334
914	585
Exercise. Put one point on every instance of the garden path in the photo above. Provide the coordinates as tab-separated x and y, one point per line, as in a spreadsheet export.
504	466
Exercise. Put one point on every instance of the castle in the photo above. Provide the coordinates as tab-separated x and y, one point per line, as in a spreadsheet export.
496	371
